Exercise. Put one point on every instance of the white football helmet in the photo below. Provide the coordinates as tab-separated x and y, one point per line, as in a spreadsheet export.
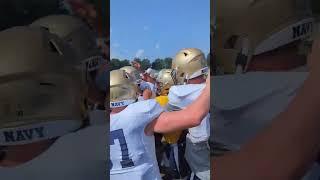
152	73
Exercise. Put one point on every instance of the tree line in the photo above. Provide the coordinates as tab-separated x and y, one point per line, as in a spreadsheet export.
157	64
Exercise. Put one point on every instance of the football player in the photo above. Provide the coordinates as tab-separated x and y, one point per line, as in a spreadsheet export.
83	40
150	76
189	68
272	55
42	111
132	125
165	81
147	90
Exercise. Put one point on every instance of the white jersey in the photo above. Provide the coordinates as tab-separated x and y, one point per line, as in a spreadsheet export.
246	104
132	152
81	155
183	95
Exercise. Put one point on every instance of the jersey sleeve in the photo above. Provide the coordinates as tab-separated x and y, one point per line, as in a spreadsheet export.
173	100
154	110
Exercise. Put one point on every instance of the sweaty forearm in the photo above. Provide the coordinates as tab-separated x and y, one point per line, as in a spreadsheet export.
284	150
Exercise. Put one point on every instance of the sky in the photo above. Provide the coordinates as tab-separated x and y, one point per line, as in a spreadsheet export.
158	28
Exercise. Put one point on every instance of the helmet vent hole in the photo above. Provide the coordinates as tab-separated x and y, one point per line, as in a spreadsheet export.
54	48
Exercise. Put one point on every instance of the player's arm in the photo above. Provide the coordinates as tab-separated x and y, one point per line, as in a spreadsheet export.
286	149
191	116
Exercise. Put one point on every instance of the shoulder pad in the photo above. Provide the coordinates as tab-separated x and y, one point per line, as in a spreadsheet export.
233	91
185	90
181	96
144	106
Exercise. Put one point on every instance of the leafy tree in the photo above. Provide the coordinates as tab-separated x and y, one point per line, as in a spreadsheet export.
145	64
115	64
167	63
157	64
125	63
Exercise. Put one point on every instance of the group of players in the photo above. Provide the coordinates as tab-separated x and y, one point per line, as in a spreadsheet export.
53	85
161	119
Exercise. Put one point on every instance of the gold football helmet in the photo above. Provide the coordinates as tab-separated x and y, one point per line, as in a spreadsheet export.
256	27
81	38
133	73
123	91
165	81
189	63
41	92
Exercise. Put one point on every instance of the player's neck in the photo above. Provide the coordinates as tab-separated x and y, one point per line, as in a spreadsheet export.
117	110
19	154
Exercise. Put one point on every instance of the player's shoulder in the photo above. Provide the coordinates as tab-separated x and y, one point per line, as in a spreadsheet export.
86	134
184	90
234	91
144	106
85	144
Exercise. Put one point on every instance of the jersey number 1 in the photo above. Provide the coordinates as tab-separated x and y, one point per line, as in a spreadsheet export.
126	161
